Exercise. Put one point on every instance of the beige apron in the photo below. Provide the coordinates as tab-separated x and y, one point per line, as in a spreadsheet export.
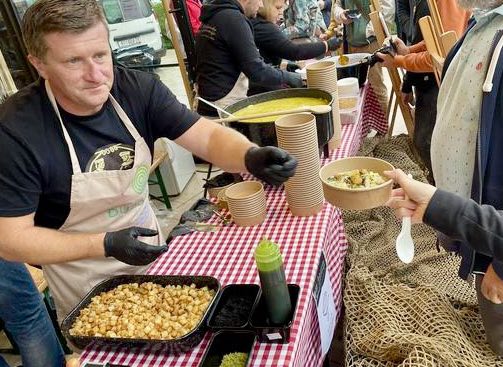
101	202
236	94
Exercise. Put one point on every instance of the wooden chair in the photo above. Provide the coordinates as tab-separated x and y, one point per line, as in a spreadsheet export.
159	156
381	32
433	46
188	85
437	41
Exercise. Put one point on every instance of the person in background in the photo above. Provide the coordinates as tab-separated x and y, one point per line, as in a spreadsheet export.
303	20
360	38
326	10
274	46
194	12
26	318
466	149
479	226
418	64
77	147
227	56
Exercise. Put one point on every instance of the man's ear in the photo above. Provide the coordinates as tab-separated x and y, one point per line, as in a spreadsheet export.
38	64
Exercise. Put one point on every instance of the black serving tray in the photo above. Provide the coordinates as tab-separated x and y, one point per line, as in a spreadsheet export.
270	333
225	342
233	307
174	346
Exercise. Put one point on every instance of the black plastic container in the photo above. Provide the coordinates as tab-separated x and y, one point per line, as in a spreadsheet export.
225	342
264	133
266	332
179	345
233	307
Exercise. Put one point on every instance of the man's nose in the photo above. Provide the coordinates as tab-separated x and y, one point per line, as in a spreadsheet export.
93	71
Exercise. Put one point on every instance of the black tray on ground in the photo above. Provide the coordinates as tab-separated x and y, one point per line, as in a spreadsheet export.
225	342
233	307
179	345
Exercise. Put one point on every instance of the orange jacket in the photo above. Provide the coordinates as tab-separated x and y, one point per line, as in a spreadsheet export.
454	18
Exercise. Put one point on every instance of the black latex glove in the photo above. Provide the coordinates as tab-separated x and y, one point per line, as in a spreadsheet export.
293	80
271	164
334	43
125	247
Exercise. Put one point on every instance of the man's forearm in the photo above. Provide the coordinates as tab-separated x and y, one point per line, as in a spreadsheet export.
227	149
41	246
219	145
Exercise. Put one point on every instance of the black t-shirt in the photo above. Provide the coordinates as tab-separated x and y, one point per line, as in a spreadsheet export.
35	166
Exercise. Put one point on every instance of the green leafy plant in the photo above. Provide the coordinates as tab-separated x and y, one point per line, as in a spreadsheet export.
161	17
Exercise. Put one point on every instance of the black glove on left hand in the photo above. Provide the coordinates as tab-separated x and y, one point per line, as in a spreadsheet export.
125	246
271	164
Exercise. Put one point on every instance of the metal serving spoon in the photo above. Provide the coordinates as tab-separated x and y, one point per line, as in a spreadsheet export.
317	110
404	244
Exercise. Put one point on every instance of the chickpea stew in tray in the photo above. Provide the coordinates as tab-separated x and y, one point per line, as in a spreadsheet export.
144	309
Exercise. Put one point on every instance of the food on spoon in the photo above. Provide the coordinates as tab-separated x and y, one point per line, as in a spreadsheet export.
356	179
281	104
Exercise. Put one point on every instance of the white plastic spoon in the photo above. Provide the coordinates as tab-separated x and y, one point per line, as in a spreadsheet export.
404	244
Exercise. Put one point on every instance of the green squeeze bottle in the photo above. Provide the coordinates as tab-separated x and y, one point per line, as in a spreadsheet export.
273	282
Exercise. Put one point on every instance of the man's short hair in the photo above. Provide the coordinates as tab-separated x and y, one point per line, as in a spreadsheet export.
47	16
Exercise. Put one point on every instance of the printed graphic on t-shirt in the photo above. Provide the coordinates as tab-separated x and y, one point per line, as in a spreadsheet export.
111	157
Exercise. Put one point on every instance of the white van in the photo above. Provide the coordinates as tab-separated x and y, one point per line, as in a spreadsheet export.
132	23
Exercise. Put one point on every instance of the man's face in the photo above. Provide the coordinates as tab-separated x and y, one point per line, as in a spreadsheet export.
251	7
79	69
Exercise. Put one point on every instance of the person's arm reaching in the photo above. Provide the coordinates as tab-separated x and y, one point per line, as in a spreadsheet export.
233	152
270	39
480	226
22	241
242	46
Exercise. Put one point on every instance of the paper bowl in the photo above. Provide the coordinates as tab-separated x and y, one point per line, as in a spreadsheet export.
356	199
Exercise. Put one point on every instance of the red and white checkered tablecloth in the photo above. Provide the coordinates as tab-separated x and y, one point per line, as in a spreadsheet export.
228	256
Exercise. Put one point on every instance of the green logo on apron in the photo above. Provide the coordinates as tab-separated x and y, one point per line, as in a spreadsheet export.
140	179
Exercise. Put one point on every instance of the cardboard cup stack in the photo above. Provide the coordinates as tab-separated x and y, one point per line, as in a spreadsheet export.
297	135
246	202
323	75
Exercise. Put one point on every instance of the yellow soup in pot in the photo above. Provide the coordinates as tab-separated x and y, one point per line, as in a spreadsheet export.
282	104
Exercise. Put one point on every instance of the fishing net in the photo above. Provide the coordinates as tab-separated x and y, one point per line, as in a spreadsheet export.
418	314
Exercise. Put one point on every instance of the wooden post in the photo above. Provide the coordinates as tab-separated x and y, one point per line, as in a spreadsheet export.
432	46
435	17
381	31
178	51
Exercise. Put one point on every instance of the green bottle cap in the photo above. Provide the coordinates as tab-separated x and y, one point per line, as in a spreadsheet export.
268	256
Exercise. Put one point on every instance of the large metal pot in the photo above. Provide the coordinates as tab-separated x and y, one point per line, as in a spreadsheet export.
264	133
357	67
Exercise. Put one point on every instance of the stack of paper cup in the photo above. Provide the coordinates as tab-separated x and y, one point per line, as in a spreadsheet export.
246	202
323	75
297	135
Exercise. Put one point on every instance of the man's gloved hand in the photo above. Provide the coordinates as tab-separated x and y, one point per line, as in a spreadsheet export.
271	164
125	247
334	43
294	80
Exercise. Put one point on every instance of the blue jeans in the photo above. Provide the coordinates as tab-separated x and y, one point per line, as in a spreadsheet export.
27	319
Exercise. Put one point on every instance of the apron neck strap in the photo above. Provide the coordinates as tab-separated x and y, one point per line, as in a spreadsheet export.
73	154
71	148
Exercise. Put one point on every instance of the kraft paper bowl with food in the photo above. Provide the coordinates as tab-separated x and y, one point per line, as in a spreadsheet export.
357	198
